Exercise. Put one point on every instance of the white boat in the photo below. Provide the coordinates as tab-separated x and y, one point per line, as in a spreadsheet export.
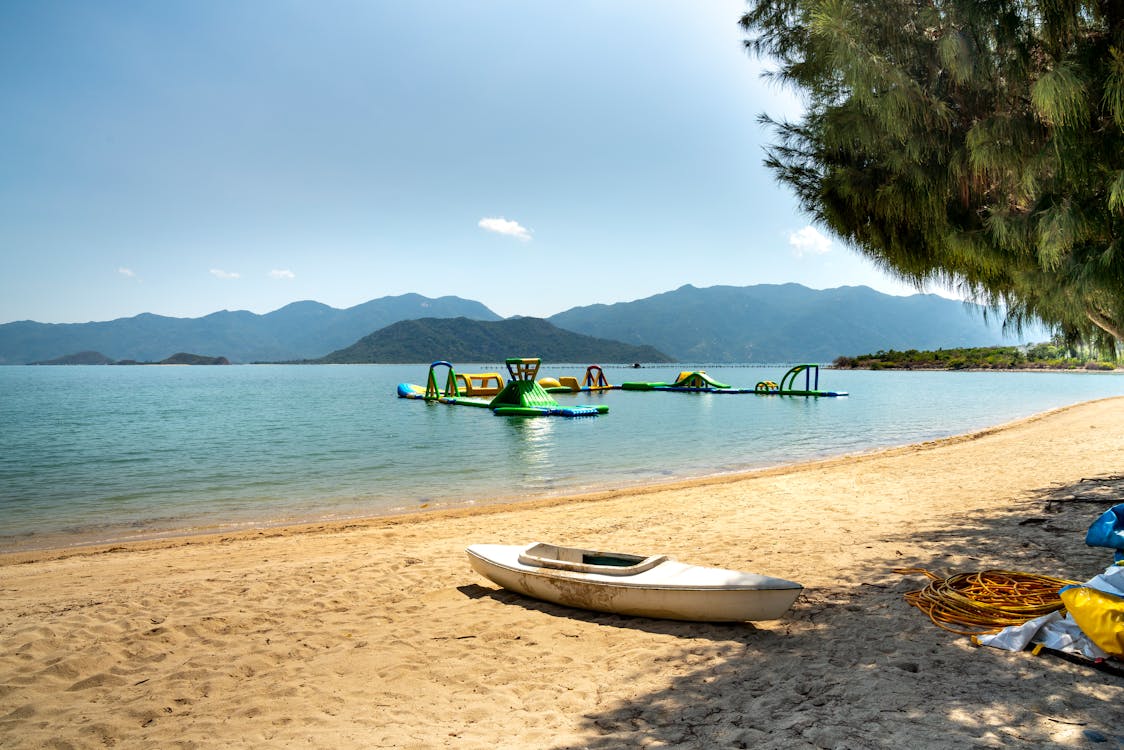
654	586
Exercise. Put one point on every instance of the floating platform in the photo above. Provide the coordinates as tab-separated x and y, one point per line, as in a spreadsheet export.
594	380
697	381
522	396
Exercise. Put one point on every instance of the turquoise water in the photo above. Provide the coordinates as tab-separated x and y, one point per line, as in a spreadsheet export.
99	454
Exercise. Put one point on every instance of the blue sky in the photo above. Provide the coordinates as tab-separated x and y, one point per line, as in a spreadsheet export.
187	156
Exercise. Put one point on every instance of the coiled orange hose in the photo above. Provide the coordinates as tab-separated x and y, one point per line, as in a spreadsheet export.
987	601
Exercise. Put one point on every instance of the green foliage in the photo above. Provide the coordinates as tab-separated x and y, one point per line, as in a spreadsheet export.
1037	357
1059	96
975	143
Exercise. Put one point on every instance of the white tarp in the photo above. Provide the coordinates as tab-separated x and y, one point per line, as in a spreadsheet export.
1057	632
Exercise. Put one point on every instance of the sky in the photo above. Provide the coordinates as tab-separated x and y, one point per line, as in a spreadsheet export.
187	156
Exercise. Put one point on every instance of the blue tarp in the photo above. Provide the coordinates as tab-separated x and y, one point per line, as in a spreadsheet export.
1108	531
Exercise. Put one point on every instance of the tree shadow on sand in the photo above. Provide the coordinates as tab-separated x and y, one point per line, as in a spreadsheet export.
854	666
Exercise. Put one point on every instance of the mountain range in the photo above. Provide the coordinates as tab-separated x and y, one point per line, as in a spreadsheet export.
762	323
785	323
301	330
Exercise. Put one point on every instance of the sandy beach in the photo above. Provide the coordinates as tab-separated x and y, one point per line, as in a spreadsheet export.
378	634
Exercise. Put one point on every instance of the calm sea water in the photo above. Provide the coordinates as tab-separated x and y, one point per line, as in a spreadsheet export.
99	454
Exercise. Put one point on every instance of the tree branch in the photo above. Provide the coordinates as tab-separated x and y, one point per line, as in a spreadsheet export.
1105	323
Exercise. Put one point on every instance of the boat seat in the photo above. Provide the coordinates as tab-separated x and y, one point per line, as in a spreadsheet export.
588	561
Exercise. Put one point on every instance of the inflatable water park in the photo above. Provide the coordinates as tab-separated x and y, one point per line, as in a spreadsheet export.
594	380
697	381
521	396
526	395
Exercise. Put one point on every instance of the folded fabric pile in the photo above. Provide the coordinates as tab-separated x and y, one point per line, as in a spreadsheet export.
1093	623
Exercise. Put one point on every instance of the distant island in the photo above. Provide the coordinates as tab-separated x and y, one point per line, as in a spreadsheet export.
97	358
1037	357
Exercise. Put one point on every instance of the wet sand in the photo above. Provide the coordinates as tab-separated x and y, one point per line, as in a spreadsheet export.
378	634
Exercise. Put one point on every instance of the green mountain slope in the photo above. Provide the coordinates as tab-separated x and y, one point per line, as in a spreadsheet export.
465	340
784	323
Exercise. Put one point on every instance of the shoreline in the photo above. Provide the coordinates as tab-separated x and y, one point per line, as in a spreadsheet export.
227	532
379	634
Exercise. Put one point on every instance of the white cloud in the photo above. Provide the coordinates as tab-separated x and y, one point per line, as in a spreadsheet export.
503	226
808	241
282	273
218	273
128	273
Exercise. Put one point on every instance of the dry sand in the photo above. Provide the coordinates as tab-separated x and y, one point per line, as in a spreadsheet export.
377	634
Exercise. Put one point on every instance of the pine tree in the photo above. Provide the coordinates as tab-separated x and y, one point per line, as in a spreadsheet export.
978	143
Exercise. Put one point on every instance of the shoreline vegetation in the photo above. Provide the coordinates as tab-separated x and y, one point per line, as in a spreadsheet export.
338	634
1048	357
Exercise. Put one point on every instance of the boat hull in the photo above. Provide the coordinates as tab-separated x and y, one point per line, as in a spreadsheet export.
669	590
